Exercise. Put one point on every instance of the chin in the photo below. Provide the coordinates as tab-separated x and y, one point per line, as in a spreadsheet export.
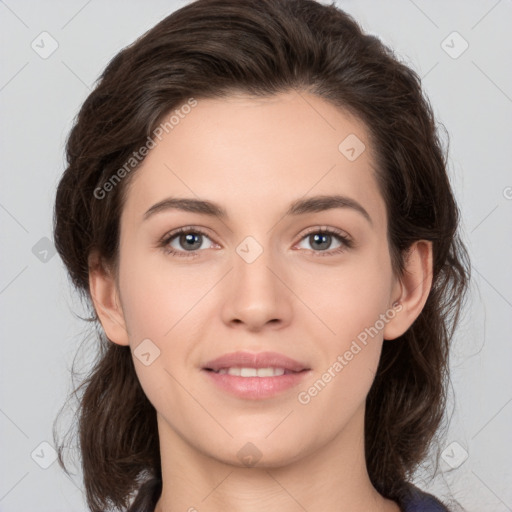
260	452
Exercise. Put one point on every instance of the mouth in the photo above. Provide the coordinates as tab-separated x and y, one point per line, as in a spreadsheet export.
259	364
253	372
255	376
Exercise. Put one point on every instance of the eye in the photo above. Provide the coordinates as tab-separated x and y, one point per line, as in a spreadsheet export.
187	241
184	242
322	240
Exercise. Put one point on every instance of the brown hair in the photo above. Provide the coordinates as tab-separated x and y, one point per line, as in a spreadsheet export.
211	48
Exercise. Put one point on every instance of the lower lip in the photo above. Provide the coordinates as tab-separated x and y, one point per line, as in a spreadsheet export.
255	388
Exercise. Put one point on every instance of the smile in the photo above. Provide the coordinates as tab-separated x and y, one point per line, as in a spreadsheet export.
253	372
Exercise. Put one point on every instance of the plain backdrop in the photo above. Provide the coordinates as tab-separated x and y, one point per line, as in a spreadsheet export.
52	53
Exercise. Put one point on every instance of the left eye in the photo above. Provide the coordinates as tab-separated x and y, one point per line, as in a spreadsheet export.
322	240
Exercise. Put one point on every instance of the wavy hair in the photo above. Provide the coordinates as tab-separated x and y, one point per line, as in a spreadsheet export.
210	49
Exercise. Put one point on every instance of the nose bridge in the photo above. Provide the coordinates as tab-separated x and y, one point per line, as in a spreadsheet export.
256	295
252	272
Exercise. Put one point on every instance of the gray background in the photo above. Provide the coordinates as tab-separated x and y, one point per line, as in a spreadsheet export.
39	97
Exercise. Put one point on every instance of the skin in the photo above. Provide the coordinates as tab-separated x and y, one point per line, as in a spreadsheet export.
254	157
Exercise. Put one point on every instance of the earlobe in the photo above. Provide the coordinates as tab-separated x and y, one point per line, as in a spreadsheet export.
415	285
105	299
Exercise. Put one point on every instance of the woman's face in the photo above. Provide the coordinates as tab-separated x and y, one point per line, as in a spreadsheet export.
261	278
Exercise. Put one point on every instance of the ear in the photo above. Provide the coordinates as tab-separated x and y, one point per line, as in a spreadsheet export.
412	289
106	301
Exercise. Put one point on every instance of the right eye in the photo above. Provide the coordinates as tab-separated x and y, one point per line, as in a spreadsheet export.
184	240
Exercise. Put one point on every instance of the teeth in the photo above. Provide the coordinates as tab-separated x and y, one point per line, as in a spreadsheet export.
253	372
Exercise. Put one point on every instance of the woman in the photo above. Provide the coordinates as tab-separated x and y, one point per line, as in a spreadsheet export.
257	209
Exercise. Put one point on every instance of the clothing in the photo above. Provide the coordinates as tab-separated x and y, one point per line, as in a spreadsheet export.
416	500
413	499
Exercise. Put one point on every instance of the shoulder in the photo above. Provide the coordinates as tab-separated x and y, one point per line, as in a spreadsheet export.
415	500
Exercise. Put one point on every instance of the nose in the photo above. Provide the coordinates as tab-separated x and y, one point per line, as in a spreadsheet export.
256	294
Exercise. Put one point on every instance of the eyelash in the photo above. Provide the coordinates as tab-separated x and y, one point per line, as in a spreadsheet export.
347	243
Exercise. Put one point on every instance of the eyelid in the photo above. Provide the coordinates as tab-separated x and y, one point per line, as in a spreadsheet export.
184	229
325	229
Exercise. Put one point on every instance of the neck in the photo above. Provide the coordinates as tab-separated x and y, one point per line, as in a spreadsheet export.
333	478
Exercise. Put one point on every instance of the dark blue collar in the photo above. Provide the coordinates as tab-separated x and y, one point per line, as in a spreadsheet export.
415	500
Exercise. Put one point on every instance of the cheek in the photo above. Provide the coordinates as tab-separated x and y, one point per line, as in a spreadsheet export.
350	359
352	302
157	296
333	397
350	297
162	304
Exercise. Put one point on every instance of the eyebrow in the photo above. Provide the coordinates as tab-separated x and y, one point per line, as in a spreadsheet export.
313	204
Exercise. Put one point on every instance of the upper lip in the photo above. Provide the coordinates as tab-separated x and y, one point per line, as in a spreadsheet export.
255	360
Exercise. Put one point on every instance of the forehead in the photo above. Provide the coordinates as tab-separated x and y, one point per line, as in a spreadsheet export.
255	154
